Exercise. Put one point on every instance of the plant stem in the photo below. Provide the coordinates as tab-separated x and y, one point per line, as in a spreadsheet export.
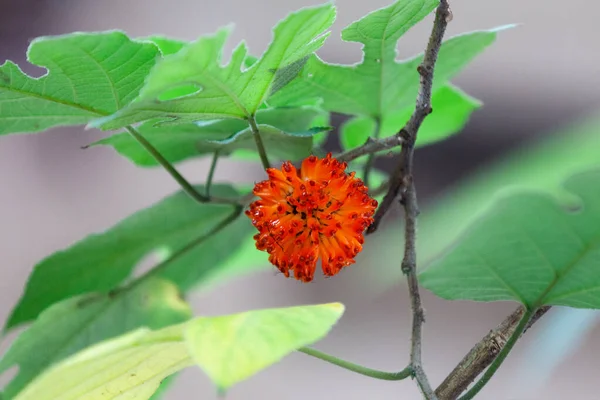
501	356
482	355
211	172
185	185
259	143
371	158
373	373
185	249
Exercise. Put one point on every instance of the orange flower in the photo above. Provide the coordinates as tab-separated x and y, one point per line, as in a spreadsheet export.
317	212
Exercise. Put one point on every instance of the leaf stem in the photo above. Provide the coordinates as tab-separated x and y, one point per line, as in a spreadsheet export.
211	172
501	356
185	185
373	373
259	143
237	211
371	159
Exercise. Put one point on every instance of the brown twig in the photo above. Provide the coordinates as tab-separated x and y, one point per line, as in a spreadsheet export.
482	355
402	179
402	175
372	146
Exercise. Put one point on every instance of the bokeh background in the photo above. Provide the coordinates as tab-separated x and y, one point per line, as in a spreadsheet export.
536	78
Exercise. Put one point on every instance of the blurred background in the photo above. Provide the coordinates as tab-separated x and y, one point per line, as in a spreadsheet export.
536	78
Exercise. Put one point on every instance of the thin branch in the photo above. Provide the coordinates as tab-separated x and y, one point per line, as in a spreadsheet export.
409	268
402	178
423	108
211	172
373	373
185	185
527	314
372	146
482	355
259	143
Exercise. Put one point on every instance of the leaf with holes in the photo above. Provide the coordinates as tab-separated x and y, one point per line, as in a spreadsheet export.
100	262
181	142
89	75
193	85
529	249
75	324
133	365
383	89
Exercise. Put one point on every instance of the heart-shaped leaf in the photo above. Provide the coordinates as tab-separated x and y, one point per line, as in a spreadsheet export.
529	249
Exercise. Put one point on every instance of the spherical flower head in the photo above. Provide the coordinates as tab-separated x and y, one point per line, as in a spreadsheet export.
319	211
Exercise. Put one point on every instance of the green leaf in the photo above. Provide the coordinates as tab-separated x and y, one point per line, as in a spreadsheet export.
128	367
181	142
167	46
164	386
451	111
355	132
89	75
543	165
381	88
245	259
529	249
205	89
132	366
234	347
100	262
198	266
74	324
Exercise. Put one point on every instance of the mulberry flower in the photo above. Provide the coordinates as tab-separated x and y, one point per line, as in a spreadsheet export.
319	211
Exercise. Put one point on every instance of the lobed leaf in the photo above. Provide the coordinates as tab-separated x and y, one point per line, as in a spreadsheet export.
100	262
193	85
89	75
75	324
529	249
383	89
229	348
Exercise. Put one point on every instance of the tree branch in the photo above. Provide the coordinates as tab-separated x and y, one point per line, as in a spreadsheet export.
402	175
402	179
482	355
372	146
